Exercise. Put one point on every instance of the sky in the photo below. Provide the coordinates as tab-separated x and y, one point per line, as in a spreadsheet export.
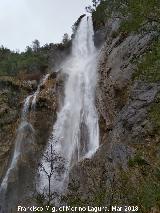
22	21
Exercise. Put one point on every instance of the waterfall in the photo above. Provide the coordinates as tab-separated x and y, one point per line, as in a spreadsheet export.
44	79
75	134
25	133
17	150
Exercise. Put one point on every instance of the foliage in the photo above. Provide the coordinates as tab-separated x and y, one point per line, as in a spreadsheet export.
144	193
36	45
66	41
139	13
34	58
41	201
75	201
100	14
148	68
137	160
133	13
11	63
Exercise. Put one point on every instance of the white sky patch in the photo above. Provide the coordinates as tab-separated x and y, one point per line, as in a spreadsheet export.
22	21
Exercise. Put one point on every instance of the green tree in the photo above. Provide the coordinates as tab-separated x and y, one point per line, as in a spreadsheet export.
36	45
133	13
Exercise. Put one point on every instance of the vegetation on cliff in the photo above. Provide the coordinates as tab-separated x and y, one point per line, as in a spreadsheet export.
134	13
33	59
139	184
148	66
137	125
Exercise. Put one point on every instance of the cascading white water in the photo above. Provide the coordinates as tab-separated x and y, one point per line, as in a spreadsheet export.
75	134
44	79
22	129
17	148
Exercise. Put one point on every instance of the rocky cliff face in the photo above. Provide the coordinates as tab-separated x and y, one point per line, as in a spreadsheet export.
125	169
12	93
33	136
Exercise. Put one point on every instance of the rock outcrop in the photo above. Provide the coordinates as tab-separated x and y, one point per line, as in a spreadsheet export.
124	171
41	119
12	93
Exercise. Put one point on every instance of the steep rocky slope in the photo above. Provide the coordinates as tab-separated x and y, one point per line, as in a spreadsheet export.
33	135
125	169
12	93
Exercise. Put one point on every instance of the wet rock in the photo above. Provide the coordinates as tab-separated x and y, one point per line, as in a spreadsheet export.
117	174
11	94
99	37
21	182
53	75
